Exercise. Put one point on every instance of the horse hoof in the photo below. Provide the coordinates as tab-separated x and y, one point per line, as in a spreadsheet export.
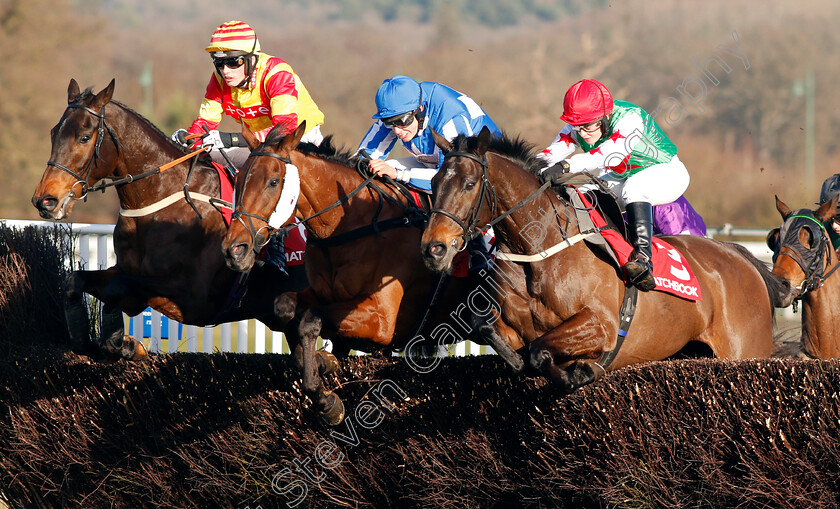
333	413
140	352
284	307
327	362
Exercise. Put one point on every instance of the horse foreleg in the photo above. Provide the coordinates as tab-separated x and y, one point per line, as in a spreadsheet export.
494	337
114	342
327	403
76	314
567	354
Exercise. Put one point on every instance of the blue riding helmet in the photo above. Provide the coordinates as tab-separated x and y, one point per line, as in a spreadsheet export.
396	96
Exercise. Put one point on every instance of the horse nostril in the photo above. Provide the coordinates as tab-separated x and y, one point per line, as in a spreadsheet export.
436	250
47	203
238	251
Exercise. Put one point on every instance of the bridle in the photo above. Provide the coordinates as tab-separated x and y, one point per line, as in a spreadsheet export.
128	179
100	135
811	260
241	215
486	193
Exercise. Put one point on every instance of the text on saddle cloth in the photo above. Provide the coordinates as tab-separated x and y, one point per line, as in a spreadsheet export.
671	270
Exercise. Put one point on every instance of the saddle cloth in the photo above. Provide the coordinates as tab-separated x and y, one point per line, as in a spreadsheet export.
671	270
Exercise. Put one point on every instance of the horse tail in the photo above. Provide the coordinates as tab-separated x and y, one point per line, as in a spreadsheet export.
777	287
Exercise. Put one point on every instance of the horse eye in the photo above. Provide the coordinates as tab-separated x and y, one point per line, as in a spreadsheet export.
84	138
469	185
273	182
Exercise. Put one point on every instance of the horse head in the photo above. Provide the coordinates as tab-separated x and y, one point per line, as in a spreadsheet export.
259	191
84	150
801	247
463	202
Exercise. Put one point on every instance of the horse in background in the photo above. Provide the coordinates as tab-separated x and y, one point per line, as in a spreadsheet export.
568	313
167	236
803	255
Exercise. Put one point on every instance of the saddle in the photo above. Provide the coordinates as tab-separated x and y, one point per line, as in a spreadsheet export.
597	210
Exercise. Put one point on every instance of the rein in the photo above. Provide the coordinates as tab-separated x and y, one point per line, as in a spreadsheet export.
486	189
376	227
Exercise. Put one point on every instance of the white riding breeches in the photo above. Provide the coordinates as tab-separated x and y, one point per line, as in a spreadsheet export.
658	184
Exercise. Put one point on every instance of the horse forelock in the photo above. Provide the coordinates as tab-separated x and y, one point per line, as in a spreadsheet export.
516	148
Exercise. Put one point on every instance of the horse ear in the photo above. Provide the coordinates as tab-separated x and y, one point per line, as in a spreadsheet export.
72	91
783	209
826	210
291	141
249	137
441	142
484	138
104	96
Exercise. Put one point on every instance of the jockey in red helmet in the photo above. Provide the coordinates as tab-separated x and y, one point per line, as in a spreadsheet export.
625	147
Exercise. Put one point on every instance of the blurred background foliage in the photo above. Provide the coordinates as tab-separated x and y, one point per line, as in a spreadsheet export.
743	139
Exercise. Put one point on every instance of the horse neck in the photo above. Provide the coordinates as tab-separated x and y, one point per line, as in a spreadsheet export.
541	223
142	149
323	183
820	334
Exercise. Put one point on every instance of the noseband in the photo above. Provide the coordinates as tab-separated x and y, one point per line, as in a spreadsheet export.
100	135
485	191
810	260
239	211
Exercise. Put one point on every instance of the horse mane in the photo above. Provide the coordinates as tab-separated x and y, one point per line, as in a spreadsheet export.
88	94
326	150
513	147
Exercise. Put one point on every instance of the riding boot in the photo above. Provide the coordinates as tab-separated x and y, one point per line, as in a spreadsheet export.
478	256
275	253
639	268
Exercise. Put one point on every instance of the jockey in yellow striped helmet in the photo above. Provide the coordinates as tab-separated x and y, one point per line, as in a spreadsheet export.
258	89
252	87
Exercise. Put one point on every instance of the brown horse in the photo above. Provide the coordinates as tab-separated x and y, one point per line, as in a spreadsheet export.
369	288
803	255
568	313
168	258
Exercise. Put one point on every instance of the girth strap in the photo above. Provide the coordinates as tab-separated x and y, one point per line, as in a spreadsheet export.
625	317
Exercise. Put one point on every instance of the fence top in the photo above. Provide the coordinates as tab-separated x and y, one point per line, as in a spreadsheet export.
81	228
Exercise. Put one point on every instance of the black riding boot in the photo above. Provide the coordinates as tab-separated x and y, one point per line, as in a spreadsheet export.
275	253
478	256
639	268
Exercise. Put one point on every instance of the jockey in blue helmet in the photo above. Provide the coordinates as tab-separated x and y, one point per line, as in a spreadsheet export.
408	111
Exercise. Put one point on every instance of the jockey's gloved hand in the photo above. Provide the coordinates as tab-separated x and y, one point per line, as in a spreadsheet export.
180	136
212	140
555	172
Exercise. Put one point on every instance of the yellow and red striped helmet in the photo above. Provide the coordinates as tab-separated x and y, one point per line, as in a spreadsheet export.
234	36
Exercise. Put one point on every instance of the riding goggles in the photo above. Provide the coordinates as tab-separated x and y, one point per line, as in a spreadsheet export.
401	120
588	128
229	62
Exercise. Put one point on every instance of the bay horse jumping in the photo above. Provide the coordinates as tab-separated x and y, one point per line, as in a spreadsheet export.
803	255
168	255
568	315
369	288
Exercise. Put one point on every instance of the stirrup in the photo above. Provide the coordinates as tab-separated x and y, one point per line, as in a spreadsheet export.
640	274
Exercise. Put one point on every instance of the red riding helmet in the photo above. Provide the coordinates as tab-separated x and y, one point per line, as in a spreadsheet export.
586	101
